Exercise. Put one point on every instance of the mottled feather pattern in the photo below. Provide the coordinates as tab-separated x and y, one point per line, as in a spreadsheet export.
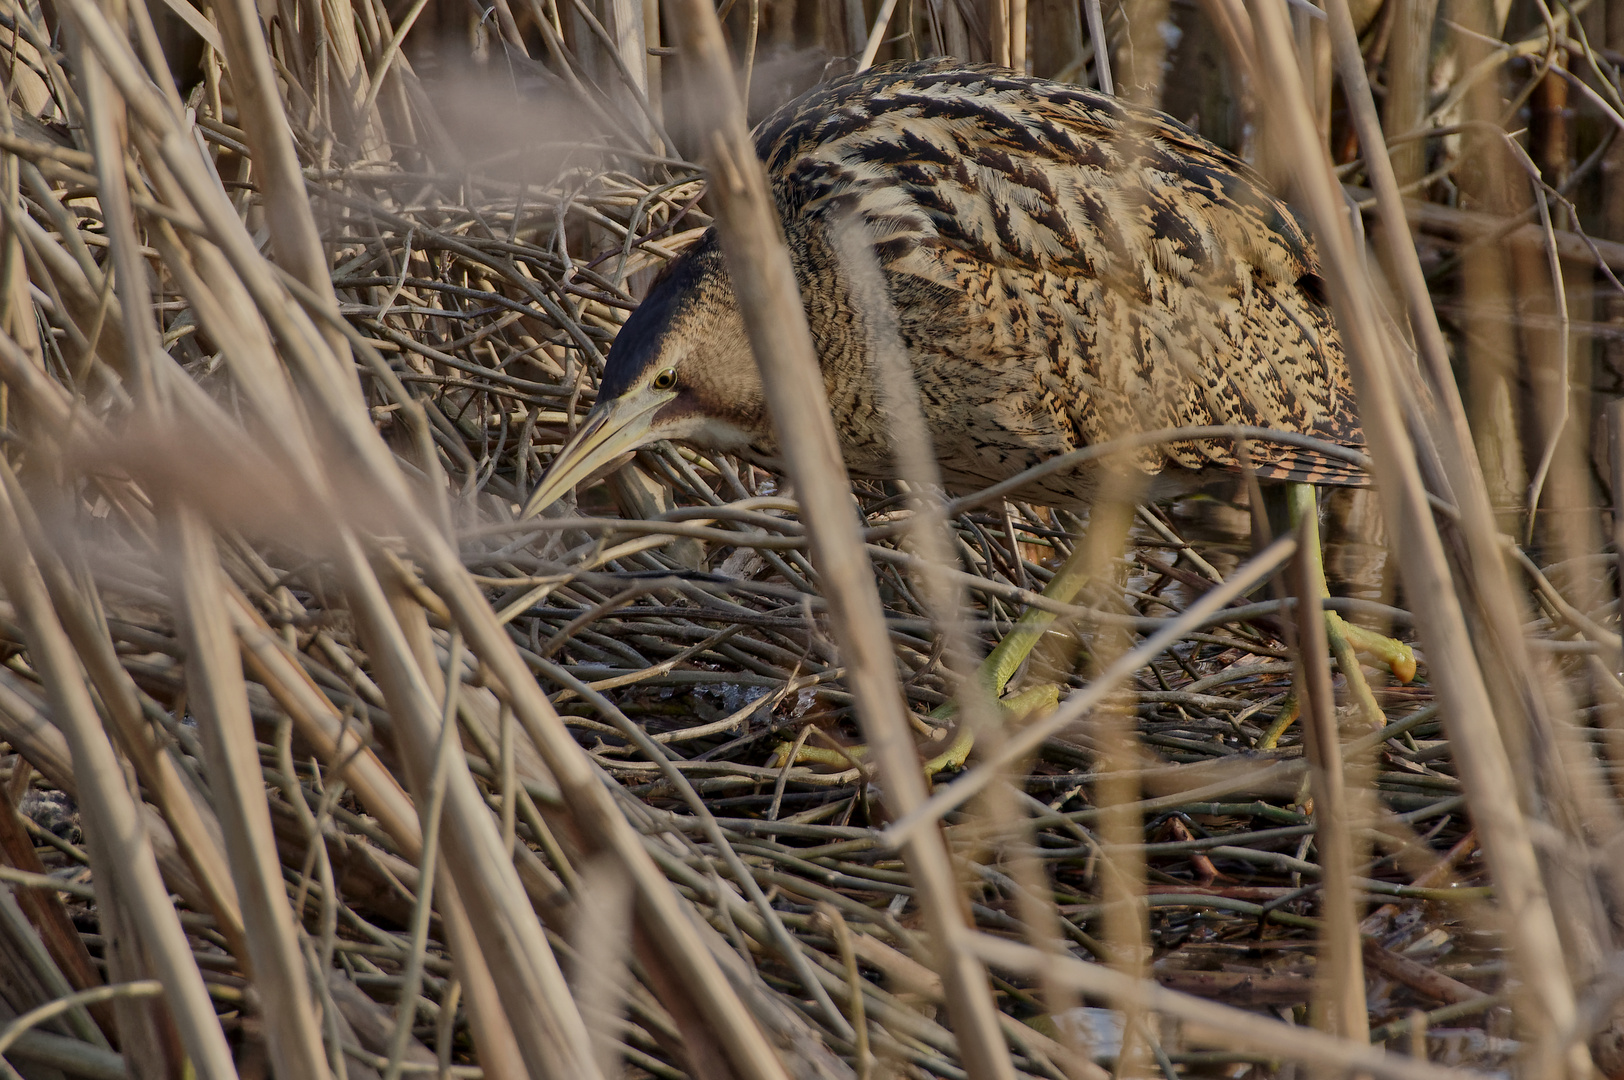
1064	268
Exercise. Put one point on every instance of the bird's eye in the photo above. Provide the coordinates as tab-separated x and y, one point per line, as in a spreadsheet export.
665	380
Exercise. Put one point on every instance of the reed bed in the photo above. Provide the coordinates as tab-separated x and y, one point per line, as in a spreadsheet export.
319	760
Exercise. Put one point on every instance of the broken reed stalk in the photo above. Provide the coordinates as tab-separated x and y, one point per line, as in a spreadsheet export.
776	322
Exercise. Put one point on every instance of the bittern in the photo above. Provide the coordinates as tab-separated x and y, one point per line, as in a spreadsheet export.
1063	268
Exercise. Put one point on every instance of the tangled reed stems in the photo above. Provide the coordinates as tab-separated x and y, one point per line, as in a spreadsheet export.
318	760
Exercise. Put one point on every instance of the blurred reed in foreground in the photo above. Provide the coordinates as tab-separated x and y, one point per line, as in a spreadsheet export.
318	761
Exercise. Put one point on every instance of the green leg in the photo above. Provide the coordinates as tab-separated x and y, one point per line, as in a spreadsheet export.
1305	516
1007	657
1289	710
1296	502
1033	699
994	675
1010	653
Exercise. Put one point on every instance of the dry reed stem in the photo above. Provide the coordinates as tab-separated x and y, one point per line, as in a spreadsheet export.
133	887
1477	743
776	323
185	808
1220	1025
542	1015
265	124
1340	971
219	699
945	599
338	744
473	341
1117	791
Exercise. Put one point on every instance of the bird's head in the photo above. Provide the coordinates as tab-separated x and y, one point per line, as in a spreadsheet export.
681	368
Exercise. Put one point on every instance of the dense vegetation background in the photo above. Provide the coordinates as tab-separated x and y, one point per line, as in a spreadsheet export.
316	760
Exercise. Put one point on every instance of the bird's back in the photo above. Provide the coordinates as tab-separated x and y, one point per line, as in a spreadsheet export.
1064	268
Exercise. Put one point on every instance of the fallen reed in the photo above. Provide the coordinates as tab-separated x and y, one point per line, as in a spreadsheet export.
318	759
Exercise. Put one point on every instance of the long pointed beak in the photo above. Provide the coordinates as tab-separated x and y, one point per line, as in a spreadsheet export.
611	429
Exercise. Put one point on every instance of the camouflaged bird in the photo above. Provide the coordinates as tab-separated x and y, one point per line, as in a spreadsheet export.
1063	268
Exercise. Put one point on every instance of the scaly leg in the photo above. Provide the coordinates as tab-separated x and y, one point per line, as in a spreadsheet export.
1345	638
994	674
1010	653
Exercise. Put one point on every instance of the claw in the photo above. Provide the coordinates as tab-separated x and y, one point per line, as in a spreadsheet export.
1398	657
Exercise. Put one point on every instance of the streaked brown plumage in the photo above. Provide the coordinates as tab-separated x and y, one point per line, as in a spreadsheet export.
1063	267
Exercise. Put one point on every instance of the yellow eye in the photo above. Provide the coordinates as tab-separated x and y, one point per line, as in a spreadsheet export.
665	380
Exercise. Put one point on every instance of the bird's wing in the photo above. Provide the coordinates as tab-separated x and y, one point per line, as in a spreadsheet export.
1152	271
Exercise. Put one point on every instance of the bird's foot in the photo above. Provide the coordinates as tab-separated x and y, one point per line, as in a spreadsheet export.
994	673
1346	642
1336	632
1287	714
1396	656
835	757
1028	703
1345	639
953	756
